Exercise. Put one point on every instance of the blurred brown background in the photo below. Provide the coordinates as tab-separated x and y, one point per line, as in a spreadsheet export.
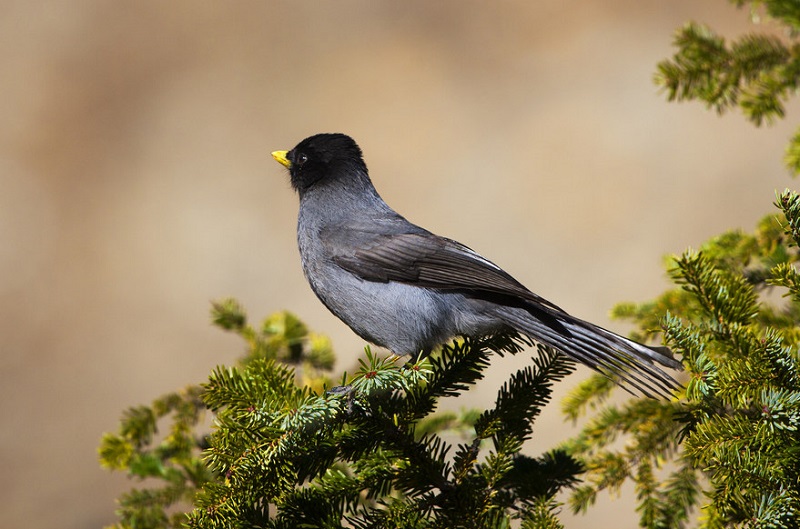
136	185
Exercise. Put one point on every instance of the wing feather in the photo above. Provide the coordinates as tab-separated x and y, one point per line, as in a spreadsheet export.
423	259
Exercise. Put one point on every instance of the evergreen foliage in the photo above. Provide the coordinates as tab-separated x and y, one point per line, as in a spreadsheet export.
757	73
727	450
732	440
369	453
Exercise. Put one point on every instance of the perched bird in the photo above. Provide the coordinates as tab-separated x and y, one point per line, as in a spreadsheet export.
402	287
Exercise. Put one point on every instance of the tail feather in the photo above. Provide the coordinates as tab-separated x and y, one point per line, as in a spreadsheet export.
630	363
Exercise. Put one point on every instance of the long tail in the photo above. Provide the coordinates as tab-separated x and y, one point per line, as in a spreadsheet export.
626	362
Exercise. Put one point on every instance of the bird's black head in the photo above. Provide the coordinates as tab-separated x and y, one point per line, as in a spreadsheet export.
323	158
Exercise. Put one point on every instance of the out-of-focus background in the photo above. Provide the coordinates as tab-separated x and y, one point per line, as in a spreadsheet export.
136	185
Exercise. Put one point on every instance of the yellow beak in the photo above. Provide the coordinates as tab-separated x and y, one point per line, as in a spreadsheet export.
280	157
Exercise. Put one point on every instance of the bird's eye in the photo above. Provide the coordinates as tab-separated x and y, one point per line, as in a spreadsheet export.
301	159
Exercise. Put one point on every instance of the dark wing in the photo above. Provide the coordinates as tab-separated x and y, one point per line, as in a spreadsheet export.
423	259
420	258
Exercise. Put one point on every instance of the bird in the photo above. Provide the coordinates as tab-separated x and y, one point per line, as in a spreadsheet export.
403	288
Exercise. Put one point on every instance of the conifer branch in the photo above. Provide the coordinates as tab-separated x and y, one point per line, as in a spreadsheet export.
733	436
365	454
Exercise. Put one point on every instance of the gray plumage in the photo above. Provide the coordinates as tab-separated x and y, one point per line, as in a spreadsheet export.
402	287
